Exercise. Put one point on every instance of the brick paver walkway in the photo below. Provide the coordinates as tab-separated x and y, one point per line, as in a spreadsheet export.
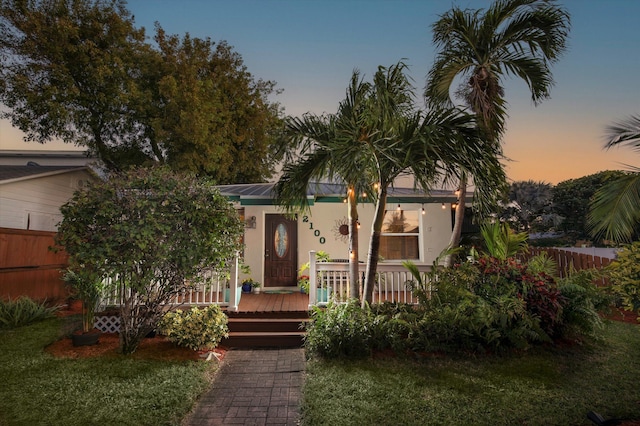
254	387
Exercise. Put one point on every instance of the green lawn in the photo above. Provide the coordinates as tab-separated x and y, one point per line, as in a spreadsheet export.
546	386
38	389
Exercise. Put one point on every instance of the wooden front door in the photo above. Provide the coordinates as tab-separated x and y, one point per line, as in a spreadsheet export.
280	251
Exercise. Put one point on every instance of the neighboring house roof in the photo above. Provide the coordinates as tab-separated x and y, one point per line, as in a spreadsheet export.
10	174
16	157
262	193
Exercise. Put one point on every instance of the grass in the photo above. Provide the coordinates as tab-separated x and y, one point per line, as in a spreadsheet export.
550	386
39	389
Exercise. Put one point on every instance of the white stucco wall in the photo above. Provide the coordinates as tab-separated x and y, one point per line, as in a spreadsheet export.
318	231
35	203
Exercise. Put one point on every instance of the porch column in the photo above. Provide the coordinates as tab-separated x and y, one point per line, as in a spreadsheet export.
313	280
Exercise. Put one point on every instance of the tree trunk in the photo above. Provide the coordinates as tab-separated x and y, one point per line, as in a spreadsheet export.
459	219
354	270
374	246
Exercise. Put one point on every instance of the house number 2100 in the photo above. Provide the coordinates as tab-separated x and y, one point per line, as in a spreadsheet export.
316	232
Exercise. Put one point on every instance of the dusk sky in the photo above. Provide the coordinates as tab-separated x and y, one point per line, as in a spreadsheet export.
310	48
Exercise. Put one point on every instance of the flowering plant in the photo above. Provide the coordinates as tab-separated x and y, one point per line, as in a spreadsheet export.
303	283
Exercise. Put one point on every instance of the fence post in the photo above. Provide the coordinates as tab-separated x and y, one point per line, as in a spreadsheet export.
313	279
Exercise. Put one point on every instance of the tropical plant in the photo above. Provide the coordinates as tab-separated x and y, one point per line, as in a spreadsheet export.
377	136
86	286
615	208
501	242
153	232
521	38
341	330
625	276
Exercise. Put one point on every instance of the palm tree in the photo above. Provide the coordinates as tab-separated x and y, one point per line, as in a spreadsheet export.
429	146
513	37
615	208
327	148
376	136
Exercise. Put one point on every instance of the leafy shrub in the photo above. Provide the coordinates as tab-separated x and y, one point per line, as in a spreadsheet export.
625	276
542	263
196	328
23	311
341	330
583	301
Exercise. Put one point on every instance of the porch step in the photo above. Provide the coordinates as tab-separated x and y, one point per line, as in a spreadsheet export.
272	329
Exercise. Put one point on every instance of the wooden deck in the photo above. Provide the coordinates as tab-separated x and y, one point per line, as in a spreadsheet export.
270	302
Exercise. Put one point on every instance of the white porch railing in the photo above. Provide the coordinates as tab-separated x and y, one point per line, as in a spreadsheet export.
330	281
219	288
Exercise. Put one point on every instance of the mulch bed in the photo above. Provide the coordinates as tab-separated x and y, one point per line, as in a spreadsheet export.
156	348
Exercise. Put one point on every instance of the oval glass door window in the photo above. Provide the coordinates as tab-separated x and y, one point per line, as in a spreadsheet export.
281	240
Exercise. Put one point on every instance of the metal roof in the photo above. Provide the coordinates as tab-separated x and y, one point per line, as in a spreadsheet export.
324	190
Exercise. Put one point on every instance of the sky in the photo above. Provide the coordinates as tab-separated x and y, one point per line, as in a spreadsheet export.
311	47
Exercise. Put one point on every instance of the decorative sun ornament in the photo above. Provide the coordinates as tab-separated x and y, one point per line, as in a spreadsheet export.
341	229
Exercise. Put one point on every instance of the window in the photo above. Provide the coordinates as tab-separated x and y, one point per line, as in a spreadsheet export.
400	237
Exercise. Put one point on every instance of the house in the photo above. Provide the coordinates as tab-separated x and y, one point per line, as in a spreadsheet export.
30	200
417	227
31	196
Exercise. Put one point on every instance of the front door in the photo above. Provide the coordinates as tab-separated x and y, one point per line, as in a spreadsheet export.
281	251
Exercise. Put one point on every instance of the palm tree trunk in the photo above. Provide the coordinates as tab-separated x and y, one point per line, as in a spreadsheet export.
354	272
456	234
374	245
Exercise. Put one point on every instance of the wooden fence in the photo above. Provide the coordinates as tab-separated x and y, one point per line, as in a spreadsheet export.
568	261
29	268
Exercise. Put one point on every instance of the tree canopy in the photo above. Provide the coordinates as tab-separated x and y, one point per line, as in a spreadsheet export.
80	71
571	200
156	231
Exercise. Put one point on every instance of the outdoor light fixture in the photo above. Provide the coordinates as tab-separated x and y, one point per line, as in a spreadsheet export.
443	206
250	222
423	210
351	255
454	205
344	200
399	208
358	224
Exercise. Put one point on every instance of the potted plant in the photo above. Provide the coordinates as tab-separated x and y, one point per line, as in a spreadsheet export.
86	287
256	286
303	283
247	285
303	280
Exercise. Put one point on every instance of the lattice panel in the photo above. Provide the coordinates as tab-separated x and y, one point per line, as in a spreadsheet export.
107	324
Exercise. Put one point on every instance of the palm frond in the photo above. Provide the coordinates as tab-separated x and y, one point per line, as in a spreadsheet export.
624	132
615	209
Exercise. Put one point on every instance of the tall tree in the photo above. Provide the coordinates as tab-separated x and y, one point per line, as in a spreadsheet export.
520	38
66	73
327	148
80	71
209	114
615	207
379	135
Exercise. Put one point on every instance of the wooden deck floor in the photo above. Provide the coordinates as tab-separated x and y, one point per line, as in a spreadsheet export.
279	302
